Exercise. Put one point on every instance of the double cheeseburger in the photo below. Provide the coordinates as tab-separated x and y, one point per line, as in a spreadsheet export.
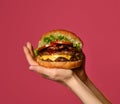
59	49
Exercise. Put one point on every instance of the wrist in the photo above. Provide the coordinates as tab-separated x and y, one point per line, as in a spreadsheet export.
72	80
81	74
86	81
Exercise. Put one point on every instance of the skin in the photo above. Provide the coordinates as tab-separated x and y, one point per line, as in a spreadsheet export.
76	79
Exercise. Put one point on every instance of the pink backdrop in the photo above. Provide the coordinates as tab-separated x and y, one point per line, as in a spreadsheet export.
96	22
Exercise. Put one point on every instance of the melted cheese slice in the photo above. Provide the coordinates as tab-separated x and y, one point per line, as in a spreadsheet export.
54	57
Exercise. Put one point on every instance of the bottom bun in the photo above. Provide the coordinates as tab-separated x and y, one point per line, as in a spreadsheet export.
62	65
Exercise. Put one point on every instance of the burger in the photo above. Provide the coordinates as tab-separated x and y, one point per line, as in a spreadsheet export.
59	49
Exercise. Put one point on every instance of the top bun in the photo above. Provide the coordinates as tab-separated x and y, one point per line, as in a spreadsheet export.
70	36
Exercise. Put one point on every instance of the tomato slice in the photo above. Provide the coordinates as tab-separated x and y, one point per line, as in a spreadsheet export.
43	47
54	43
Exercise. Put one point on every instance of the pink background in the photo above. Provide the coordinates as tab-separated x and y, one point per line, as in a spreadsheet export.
97	22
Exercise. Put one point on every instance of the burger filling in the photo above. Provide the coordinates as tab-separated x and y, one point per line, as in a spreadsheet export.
59	52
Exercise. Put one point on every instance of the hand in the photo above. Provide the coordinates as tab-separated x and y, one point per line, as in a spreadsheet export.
51	73
75	78
54	74
80	72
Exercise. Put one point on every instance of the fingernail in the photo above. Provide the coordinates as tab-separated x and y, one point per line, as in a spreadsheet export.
31	68
28	43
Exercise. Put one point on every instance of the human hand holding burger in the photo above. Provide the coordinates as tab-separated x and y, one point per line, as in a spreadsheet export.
57	51
59	57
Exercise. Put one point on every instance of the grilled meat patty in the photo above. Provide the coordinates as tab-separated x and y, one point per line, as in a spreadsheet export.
61	49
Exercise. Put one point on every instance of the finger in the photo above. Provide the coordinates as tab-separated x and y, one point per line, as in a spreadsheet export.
29	58
43	71
29	46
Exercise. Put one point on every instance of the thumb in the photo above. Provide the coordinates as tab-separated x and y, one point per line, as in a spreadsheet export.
36	68
42	70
